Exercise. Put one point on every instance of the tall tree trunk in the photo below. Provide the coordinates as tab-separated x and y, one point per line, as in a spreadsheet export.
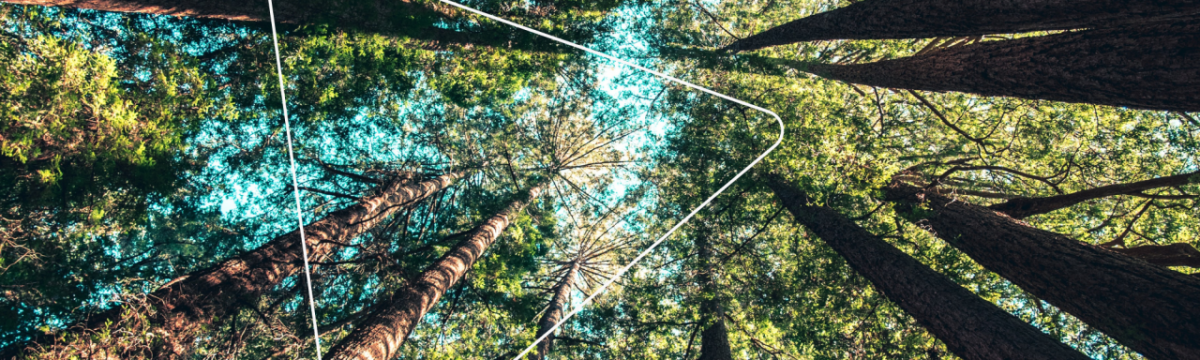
367	13
381	334
1177	254
1149	67
970	326
1148	308
1023	207
189	303
901	19
409	18
554	311
714	339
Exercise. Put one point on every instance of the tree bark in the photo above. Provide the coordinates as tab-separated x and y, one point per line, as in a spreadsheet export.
188	303
1148	308
714	339
287	12
554	311
1023	207
409	18
381	334
1148	67
902	19
1178	254
970	326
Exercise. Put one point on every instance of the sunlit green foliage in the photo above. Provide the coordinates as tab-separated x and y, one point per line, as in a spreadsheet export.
141	148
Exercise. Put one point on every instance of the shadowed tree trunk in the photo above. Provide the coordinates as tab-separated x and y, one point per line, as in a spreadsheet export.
1023	207
189	303
1178	254
370	13
554	311
714	339
902	19
1149	67
970	326
1151	309
409	18
381	334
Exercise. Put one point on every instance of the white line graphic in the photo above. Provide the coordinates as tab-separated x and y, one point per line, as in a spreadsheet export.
287	126
685	218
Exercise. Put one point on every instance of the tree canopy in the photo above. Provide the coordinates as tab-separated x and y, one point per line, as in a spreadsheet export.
464	185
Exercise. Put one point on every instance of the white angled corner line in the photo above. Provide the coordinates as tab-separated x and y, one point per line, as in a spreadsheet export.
685	218
287	127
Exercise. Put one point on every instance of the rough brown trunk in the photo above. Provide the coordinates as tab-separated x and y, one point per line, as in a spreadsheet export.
1148	308
1149	67
1023	207
189	303
901	19
714	339
288	12
1178	254
381	334
970	326
554	311
411	18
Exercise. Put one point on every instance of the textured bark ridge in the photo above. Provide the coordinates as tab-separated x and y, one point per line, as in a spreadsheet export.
189	303
1178	254
903	19
1148	308
1148	67
554	311
1023	207
970	326
714	339
219	9
411	18
381	334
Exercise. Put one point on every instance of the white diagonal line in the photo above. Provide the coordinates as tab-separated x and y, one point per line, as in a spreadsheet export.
287	126
685	218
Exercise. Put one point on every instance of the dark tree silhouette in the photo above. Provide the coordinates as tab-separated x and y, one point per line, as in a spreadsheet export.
1022	207
1146	67
1148	308
970	326
902	19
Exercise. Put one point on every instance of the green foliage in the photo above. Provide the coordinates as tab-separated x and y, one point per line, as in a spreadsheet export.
139	148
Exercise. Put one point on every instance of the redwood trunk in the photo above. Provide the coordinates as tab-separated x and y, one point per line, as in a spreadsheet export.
714	339
1148	308
1149	67
554	311
970	326
288	12
411	18
902	19
381	334
1023	207
188	303
1178	254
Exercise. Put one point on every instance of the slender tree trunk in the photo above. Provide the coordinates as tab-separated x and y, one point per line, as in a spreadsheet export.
554	311
901	19
1149	67
287	12
409	18
714	339
381	334
1177	254
1023	207
1148	308
970	326
189	303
